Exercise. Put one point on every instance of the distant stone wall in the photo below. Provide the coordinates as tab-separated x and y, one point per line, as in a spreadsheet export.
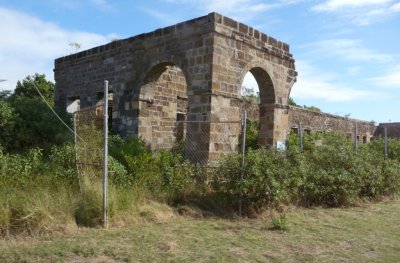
322	122
393	130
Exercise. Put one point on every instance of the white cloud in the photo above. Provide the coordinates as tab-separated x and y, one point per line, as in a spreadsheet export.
313	84
333	5
29	45
390	79
395	7
355	70
165	18
347	49
103	5
249	82
360	12
242	10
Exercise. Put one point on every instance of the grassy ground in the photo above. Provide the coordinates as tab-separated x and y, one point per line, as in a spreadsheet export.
368	233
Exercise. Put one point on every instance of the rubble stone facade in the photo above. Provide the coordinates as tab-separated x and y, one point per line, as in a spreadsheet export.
192	70
313	121
392	130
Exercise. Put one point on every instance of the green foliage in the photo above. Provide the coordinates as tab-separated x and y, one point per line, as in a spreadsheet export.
61	164
279	223
117	172
123	151
4	94
88	211
36	190
252	134
312	108
264	180
26	121
18	170
328	173
249	93
291	102
8	118
27	88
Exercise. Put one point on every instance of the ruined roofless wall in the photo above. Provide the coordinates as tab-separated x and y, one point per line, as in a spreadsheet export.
393	130
313	121
213	53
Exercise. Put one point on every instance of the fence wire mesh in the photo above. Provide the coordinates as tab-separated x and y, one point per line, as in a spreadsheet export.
89	144
203	143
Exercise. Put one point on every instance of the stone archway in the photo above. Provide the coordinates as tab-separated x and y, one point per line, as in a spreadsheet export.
162	101
266	105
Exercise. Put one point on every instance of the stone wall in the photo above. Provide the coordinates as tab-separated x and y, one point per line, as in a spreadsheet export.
313	121
192	70
323	122
158	104
393	130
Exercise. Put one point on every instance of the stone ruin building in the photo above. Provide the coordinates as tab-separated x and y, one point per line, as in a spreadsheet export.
192	71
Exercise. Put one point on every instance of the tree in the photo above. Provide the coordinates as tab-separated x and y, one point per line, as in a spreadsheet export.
4	94
27	88
312	108
291	102
27	121
249	93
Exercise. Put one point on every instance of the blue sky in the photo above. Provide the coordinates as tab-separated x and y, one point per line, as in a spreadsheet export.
347	51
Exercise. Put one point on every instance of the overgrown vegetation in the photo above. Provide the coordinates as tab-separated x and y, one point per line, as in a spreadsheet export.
41	189
369	232
26	121
39	192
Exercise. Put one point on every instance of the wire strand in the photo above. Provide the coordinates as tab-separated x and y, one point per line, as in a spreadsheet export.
43	98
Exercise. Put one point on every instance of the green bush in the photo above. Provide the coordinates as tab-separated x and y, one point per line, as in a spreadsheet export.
40	188
328	173
279	223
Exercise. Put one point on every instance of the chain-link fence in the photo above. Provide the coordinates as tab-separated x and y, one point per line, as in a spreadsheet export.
89	144
203	142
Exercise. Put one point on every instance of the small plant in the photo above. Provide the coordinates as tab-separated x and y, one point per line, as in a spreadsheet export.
279	223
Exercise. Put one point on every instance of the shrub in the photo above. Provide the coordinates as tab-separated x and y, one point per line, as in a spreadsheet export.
61	163
279	223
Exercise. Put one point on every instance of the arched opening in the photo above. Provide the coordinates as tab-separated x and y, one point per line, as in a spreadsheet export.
258	98
162	102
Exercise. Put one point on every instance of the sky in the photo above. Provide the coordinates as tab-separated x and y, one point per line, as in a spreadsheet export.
347	52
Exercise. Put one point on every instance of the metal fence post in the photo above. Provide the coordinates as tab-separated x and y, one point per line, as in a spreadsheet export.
386	143
301	137
105	159
243	159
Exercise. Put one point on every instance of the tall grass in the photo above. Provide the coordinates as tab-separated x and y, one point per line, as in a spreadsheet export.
41	193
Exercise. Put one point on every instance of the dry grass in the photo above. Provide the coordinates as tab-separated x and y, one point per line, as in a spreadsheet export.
368	233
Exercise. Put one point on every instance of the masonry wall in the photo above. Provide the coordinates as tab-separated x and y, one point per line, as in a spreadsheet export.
323	122
393	130
192	70
238	50
318	121
136	64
